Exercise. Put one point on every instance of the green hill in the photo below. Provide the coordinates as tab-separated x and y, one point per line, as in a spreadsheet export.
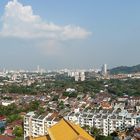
125	69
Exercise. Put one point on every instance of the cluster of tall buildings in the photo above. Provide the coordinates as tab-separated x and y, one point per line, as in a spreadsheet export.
78	75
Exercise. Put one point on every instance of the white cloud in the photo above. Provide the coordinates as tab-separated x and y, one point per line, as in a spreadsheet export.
19	21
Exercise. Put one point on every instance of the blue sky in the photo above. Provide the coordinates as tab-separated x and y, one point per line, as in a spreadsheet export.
69	33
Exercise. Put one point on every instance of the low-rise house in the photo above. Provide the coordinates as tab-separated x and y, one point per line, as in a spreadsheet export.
7	102
63	99
105	105
70	90
8	132
2	121
3	137
133	101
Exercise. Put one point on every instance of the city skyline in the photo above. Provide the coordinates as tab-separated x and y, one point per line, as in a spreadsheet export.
70	34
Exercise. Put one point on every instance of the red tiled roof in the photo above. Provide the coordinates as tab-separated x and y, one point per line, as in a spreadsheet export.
105	104
2	118
15	123
8	131
2	137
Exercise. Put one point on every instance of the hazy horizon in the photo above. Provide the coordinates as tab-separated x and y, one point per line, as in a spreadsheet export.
69	34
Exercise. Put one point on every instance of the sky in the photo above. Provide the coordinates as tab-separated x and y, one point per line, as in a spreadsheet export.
69	33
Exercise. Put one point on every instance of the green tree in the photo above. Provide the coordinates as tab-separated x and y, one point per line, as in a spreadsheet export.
34	105
18	131
2	130
40	110
55	98
61	105
13	117
100	137
95	132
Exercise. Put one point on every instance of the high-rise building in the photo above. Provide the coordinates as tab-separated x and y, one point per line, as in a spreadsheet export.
38	69
104	70
36	125
76	76
79	76
82	76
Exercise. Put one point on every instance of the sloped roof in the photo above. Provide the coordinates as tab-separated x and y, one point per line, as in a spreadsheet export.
41	138
65	130
2	137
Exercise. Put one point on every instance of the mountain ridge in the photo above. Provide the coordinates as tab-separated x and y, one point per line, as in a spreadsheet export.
125	69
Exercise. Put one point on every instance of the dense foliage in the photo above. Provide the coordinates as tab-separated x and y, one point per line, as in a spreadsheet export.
18	131
115	87
124	87
9	110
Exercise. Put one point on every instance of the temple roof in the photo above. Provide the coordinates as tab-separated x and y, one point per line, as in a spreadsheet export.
65	130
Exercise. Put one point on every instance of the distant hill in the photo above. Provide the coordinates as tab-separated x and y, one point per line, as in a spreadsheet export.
125	69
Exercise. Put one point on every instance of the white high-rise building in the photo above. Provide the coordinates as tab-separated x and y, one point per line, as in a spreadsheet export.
82	76
38	69
79	76
104	70
76	76
36	125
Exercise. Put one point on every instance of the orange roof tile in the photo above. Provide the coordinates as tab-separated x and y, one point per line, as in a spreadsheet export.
65	130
